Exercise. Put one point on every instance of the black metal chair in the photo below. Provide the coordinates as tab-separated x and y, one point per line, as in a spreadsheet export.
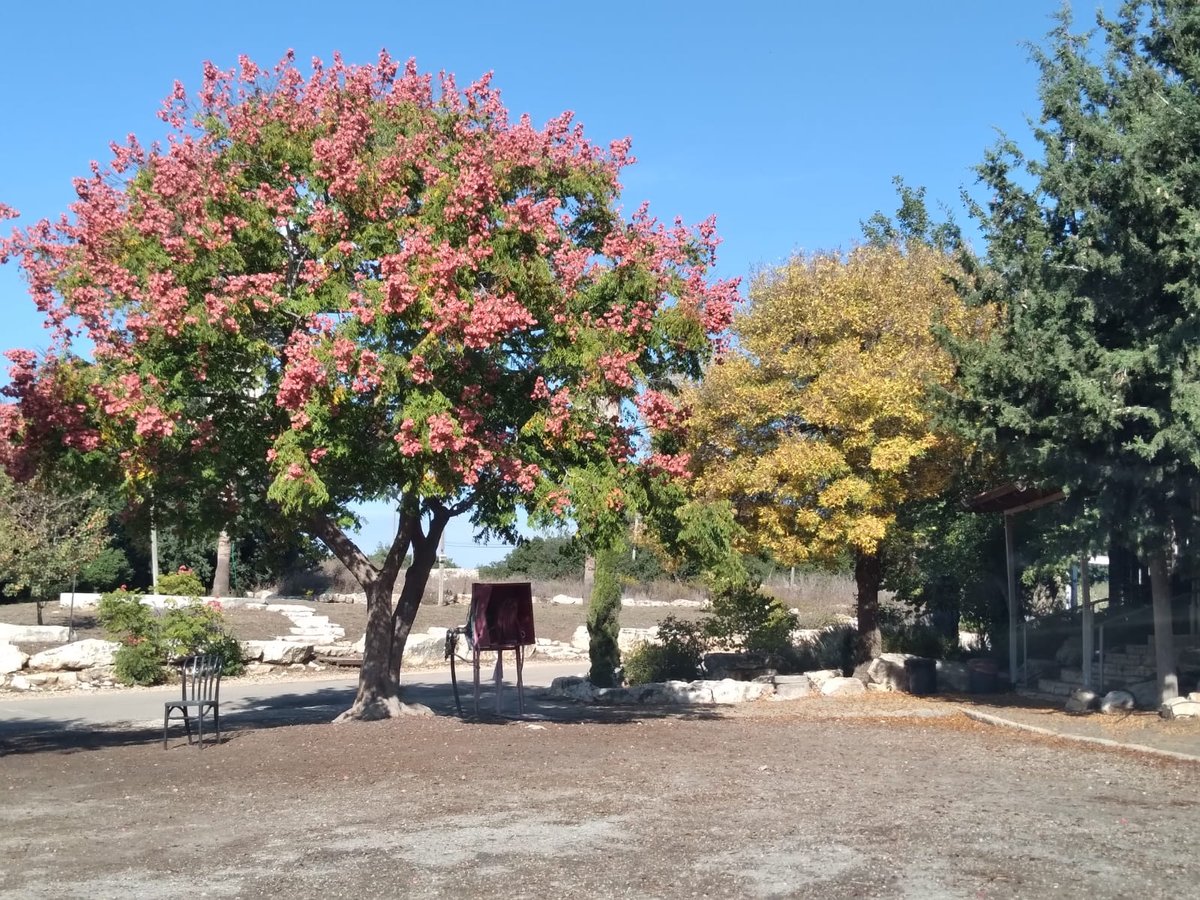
201	678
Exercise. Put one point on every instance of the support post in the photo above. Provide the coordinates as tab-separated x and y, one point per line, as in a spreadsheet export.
1089	622
1011	565
153	553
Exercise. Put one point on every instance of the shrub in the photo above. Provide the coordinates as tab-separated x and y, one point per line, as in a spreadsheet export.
676	657
122	615
181	584
190	628
227	647
743	614
139	662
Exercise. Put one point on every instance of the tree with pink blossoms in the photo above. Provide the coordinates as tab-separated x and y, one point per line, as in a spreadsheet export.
354	284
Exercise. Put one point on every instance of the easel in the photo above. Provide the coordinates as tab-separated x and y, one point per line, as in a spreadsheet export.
500	619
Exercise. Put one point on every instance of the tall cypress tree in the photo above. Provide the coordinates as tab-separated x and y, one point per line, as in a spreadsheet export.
1093	252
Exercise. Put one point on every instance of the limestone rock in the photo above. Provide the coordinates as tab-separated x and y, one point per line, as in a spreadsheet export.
34	634
11	659
20	683
1080	701
425	650
628	638
80	655
565	600
572	687
819	677
842	687
687	692
252	651
792	687
729	691
886	670
1180	708
334	650
279	653
580	639
1116	701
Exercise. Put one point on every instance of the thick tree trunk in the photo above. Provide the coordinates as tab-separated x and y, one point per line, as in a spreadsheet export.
378	694
1164	635
220	585
416	578
866	579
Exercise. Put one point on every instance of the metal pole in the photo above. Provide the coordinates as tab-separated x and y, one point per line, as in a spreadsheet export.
1089	622
1012	598
153	553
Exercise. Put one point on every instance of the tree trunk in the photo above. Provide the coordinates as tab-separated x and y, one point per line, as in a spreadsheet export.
603	623
378	696
415	580
1164	635
866	579
220	585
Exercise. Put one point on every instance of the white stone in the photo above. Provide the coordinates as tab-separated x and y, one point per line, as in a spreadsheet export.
20	683
1180	708
424	650
628	638
572	687
886	670
11	659
580	638
729	691
819	677
565	600
842	687
1116	701
42	679
279	652
289	609
792	687
688	692
79	655
34	634
335	651
689	604
252	651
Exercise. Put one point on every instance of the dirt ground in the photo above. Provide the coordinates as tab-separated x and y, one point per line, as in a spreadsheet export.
878	796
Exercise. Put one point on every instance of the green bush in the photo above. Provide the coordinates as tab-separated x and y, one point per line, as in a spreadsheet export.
149	641
743	614
139	663
122	615
181	584
676	657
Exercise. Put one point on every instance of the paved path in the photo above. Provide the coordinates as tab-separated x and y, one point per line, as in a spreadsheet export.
245	703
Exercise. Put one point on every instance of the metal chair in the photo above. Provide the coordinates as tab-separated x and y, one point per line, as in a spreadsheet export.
201	678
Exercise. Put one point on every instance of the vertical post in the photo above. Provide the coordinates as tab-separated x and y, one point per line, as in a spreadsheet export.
71	614
1089	623
442	570
153	552
1011	565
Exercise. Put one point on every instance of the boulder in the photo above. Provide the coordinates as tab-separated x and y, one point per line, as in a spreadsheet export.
278	653
425	650
744	666
728	690
572	687
20	683
565	600
11	659
842	687
34	634
1180	708
580	639
1116	701
628	638
819	677
886	670
792	687
337	651
1081	701
687	692
84	654
953	675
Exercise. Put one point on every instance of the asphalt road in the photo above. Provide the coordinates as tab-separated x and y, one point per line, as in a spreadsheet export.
250	703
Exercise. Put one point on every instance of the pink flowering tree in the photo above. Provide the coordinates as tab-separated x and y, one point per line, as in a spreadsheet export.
355	284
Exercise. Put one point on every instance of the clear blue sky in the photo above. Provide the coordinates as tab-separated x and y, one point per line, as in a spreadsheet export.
786	119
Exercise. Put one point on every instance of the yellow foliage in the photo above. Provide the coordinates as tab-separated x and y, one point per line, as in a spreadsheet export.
816	425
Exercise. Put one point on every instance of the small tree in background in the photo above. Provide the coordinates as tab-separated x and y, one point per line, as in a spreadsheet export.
48	533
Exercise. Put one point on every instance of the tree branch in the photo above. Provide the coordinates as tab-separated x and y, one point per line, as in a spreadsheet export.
344	549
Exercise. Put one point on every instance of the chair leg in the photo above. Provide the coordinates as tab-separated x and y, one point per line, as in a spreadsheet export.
166	718
200	729
187	724
217	721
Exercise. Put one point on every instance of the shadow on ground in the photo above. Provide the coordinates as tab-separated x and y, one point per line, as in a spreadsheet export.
68	735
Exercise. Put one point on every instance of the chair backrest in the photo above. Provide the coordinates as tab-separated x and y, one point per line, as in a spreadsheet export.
201	677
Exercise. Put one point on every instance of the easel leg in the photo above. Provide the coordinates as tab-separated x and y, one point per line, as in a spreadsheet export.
475	661
499	678
520	680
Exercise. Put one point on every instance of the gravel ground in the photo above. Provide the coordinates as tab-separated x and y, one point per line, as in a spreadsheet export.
866	797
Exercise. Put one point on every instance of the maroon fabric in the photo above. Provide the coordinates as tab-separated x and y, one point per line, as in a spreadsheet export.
501	615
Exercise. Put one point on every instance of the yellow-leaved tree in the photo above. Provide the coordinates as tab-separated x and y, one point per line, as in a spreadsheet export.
816	425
